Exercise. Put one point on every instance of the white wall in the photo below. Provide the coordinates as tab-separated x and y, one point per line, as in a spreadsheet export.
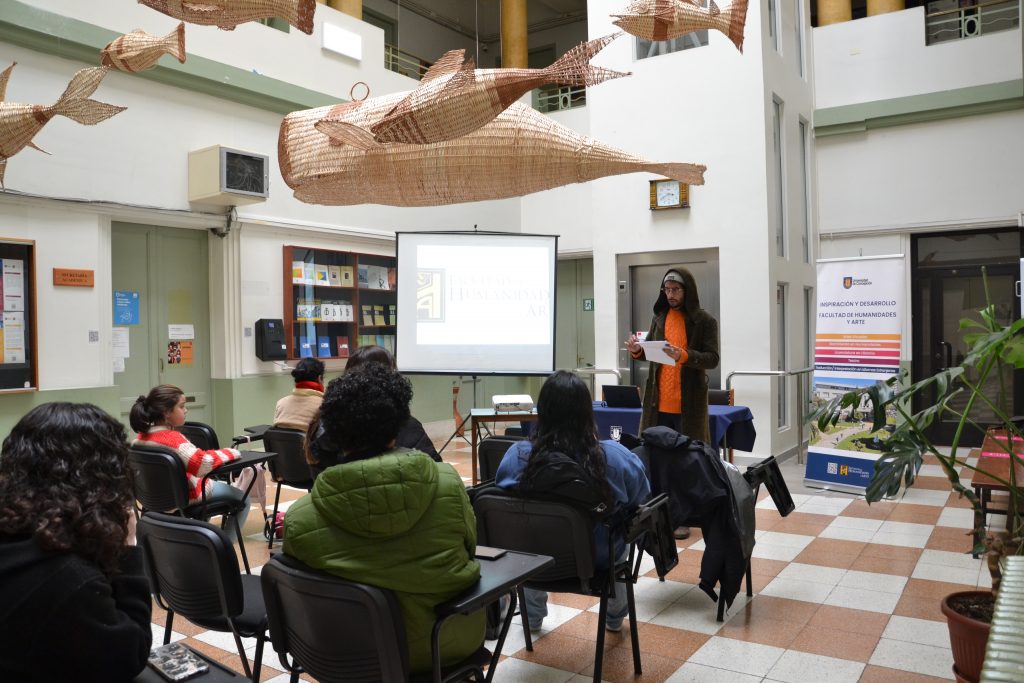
67	239
885	56
963	171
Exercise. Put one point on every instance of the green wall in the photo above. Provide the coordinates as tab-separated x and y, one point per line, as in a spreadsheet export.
14	406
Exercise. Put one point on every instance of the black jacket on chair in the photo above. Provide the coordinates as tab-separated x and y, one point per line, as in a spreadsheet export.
704	492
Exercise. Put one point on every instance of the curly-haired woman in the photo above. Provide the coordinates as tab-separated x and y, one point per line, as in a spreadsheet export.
390	517
74	598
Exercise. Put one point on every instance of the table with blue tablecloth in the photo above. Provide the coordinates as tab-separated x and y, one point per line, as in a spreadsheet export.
729	426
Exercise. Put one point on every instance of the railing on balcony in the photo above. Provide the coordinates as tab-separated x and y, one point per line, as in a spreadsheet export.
404	63
551	98
946	21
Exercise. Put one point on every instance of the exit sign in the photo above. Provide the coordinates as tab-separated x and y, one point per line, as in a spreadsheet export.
588	304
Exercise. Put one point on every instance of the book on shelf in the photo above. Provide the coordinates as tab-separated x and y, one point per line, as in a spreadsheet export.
307	310
345	312
392	278
367	311
392	314
378	315
321	275
323	347
387	341
367	339
329	312
363	276
305	347
377	277
342	347
334	276
345	273
308	273
298	273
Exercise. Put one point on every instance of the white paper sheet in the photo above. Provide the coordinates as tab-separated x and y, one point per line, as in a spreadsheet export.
181	332
14	284
118	364
654	351
120	344
14	337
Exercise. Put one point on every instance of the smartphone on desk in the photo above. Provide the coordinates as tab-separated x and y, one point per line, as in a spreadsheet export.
486	552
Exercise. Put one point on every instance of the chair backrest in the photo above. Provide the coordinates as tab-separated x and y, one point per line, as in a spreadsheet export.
337	630
160	481
192	568
490	452
543	527
721	397
201	435
290	466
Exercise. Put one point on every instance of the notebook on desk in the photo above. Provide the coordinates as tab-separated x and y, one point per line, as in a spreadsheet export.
621	395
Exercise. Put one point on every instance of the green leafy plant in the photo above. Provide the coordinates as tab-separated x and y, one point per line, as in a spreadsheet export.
993	346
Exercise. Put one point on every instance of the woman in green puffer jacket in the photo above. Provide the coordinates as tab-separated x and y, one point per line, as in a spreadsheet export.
390	517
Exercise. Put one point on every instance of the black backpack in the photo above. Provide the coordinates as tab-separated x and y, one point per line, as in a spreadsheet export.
563	479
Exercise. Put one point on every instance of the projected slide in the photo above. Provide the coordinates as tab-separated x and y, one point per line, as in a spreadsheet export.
473	303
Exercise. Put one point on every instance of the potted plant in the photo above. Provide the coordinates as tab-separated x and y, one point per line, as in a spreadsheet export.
993	347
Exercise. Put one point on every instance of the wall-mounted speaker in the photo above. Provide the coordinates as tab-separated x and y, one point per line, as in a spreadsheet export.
227	177
270	342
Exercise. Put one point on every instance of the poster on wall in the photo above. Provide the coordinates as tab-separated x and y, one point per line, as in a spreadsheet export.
861	309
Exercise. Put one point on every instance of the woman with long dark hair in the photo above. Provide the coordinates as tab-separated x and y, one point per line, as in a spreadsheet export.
74	598
565	424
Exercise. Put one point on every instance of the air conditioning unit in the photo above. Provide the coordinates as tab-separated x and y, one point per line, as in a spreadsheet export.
227	177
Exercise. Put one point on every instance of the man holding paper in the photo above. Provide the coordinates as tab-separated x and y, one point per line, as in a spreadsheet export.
681	344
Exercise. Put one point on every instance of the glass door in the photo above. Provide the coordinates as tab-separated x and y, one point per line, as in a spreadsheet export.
948	286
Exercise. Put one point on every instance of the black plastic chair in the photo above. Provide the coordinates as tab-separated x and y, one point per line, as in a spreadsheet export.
489	453
566	533
721	397
201	435
337	630
161	486
288	468
193	572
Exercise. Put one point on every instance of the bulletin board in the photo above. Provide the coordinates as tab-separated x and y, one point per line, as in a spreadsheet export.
18	349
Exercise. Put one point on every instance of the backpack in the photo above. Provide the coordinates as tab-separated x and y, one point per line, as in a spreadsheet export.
564	480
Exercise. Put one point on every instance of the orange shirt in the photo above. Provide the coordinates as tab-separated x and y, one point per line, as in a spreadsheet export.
670	393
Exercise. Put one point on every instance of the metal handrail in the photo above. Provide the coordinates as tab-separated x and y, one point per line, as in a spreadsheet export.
593	372
405	63
980	5
799	399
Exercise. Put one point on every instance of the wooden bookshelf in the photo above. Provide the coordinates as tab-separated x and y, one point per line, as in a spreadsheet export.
336	297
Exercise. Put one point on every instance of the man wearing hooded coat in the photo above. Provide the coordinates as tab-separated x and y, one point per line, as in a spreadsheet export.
677	396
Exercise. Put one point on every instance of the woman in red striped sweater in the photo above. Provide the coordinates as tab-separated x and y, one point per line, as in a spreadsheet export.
155	417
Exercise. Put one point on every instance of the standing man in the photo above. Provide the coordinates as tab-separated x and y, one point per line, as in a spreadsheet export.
676	396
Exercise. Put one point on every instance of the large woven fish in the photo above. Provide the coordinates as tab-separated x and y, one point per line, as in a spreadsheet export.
326	159
454	98
19	123
227	14
667	19
138	50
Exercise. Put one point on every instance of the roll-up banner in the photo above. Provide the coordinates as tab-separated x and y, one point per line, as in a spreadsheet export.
861	305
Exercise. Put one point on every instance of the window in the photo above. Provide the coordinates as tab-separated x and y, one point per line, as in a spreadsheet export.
807	378
799	35
780	184
773	23
780	359
647	48
805	186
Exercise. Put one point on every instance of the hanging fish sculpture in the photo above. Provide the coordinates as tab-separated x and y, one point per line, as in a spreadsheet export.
227	14
138	50
454	98
326	159
667	19
19	123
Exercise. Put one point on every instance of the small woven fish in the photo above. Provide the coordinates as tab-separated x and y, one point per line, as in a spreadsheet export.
325	158
227	14
454	98
667	19
138	50
19	123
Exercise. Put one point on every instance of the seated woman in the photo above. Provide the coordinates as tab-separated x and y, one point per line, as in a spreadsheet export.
297	409
74	597
155	417
565	424
322	451
390	517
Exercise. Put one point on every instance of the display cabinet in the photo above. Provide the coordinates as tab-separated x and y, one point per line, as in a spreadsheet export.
336	301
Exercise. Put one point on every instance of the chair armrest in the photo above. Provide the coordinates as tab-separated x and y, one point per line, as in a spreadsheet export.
496	578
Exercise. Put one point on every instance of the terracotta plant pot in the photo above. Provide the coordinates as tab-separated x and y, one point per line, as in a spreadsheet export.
967	637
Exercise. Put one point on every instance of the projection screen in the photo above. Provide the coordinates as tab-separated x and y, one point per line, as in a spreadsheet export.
476	303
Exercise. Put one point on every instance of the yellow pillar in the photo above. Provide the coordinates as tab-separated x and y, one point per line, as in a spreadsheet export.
514	34
353	8
885	6
834	11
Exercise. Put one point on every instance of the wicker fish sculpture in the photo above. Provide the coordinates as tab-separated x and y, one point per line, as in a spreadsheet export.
454	98
667	19
227	14
19	123
138	50
326	159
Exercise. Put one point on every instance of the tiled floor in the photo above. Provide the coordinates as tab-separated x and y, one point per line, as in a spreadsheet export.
843	591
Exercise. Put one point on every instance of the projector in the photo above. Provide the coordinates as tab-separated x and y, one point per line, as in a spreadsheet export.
512	403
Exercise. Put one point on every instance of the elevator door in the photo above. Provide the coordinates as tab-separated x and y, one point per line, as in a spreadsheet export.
947	287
